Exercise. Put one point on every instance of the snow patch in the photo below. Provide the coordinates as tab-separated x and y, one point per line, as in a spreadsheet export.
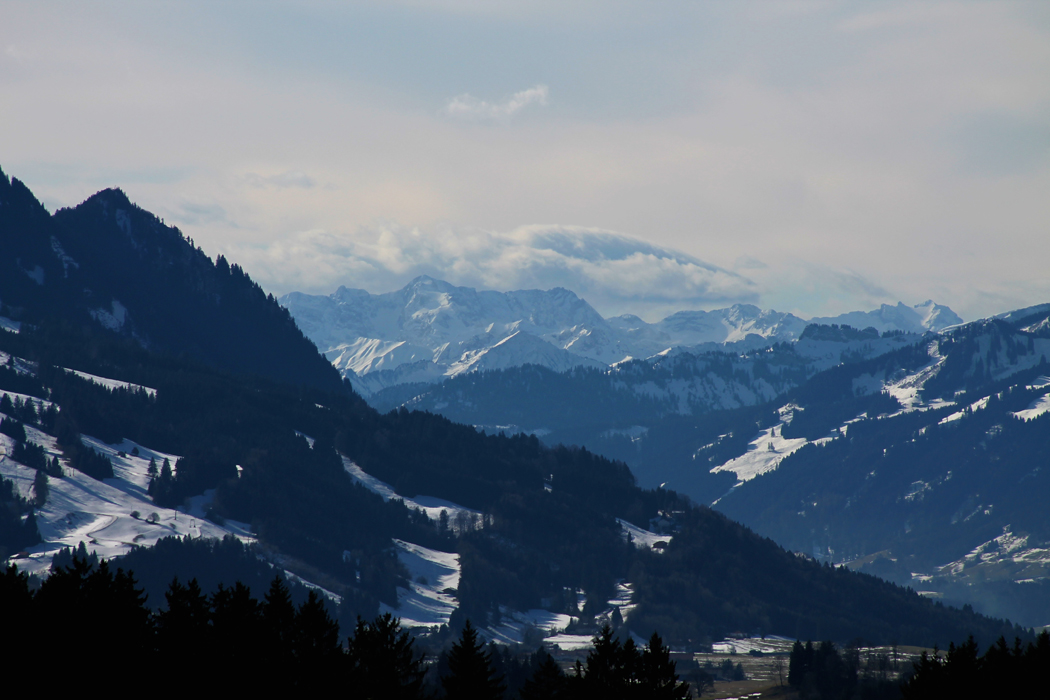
430	599
641	538
516	625
112	384
432	507
1035	409
67	262
114	318
36	274
764	454
975	406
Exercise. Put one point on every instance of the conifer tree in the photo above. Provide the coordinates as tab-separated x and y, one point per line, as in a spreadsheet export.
41	490
278	613
611	665
383	661
471	675
316	633
185	622
547	681
657	674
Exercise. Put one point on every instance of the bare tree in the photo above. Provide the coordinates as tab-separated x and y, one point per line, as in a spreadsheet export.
778	666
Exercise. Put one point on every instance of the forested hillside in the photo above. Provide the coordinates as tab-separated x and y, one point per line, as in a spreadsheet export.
121	267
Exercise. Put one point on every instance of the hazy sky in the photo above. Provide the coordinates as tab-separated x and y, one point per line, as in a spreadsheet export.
812	157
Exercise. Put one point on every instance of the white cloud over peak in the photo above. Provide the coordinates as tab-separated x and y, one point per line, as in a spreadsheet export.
613	272
467	106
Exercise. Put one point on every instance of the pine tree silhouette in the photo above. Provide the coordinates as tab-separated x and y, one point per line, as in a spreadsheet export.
471	675
383	661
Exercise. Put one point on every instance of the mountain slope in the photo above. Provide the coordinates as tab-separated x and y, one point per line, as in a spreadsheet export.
945	492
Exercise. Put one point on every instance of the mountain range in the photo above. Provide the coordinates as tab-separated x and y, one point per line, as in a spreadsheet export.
120	432
430	330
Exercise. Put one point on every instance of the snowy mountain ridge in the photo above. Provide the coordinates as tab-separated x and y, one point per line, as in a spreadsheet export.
430	330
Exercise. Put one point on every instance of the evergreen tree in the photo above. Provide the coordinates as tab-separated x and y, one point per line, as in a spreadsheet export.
41	490
611	667
31	533
316	633
13	428
185	624
237	622
657	674
547	681
162	489
279	625
383	662
800	663
15	604
278	612
315	647
471	675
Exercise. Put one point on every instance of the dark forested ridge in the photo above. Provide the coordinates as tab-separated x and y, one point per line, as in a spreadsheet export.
116	264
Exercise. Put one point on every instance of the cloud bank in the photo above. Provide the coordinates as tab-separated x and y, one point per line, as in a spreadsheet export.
613	272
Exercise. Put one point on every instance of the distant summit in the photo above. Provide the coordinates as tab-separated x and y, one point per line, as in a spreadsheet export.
926	316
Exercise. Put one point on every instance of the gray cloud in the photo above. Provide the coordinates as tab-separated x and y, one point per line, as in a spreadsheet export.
614	272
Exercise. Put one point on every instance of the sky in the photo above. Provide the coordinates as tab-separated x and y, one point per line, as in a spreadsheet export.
812	157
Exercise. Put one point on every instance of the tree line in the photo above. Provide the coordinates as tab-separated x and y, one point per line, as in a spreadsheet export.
91	620
1003	671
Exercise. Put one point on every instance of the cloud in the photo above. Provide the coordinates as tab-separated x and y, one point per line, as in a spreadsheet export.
469	107
615	273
